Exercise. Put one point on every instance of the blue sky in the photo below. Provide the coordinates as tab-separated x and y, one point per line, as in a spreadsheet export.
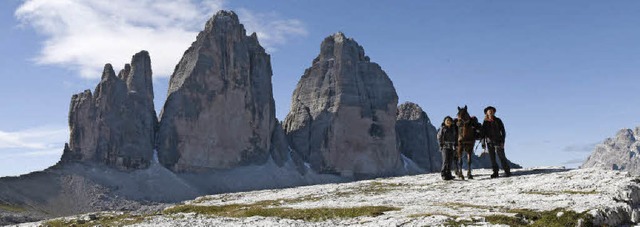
563	75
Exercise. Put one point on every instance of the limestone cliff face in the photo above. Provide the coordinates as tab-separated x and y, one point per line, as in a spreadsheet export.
417	137
343	113
618	153
115	125
219	111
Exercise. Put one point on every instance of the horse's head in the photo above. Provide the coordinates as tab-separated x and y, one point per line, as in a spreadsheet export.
463	114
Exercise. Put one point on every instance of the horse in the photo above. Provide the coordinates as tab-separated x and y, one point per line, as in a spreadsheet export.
467	135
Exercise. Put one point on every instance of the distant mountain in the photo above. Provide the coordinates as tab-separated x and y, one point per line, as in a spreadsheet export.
618	153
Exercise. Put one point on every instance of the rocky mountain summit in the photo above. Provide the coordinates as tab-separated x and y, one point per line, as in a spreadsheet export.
343	113
220	111
115	125
417	137
540	196
617	153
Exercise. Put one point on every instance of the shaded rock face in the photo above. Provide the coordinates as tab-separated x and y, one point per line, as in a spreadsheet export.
343	113
219	112
115	125
417	137
617	153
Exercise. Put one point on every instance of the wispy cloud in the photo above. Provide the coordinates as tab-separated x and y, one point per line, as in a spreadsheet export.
270	28
85	34
42	141
589	147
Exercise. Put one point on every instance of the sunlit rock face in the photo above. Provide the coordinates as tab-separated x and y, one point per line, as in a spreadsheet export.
343	113
617	153
220	111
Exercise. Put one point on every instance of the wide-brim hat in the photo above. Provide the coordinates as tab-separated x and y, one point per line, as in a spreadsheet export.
489	108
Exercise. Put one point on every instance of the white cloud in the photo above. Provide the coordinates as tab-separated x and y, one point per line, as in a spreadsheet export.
42	141
85	34
271	32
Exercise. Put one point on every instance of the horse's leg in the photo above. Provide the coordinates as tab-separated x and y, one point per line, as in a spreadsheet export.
459	162
469	162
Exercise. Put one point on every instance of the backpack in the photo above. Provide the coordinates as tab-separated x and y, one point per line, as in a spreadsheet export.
477	128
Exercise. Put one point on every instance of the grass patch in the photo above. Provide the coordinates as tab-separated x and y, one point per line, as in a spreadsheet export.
275	202
313	214
223	198
453	222
451	219
592	192
506	220
482	207
12	208
541	193
278	202
570	192
525	217
107	220
345	193
373	188
432	214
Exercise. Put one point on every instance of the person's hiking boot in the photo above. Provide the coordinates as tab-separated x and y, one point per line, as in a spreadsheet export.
447	177
507	174
494	175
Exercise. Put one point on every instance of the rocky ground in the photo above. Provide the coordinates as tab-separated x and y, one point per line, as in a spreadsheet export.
542	196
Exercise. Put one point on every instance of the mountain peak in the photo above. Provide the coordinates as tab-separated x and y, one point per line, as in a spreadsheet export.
625	135
340	37
339	46
107	72
223	19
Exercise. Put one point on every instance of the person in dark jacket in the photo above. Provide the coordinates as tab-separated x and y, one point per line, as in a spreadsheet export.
447	138
494	137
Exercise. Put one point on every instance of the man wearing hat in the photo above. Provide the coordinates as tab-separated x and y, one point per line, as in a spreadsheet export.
494	135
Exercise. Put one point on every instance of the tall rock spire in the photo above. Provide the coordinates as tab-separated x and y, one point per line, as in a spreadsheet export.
343	113
220	110
115	125
417	137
